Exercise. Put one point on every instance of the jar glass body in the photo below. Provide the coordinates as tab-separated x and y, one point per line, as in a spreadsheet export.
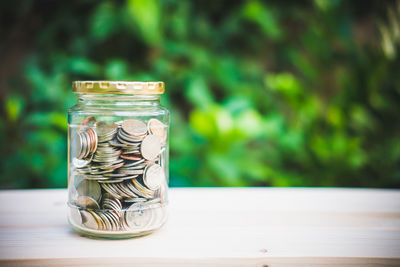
117	165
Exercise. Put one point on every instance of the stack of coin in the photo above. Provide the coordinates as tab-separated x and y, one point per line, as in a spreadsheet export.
106	131
85	143
123	176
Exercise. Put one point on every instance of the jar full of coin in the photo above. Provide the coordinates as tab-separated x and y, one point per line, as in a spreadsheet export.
117	159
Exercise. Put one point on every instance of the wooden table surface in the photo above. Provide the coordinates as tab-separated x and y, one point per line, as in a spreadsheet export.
215	226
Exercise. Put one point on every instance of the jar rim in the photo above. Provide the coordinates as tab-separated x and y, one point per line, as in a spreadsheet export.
118	87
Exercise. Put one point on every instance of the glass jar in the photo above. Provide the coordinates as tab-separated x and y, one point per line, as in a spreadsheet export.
117	159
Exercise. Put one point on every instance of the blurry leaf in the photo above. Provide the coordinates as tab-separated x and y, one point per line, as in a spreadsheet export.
224	169
198	93
258	13
46	119
84	66
335	116
250	123
103	21
286	84
146	14
14	106
116	70
203	122
237	105
360	118
327	4
223	120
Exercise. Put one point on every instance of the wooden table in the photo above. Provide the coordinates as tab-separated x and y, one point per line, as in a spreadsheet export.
215	226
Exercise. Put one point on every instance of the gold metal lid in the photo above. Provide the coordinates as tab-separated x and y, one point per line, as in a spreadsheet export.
118	87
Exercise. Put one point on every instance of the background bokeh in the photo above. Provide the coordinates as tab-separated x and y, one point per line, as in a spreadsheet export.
262	93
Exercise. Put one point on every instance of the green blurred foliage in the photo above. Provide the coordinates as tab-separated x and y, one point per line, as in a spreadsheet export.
261	93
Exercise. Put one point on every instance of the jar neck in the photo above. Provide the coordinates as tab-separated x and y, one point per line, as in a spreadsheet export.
118	100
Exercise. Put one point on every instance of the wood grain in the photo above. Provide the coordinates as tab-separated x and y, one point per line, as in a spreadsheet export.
216	226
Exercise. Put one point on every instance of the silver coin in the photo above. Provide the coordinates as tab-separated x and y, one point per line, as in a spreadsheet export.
141	190
75	216
132	171
115	143
151	147
135	199
87	202
106	132
111	181
156	127
123	190
153	176
133	163
115	219
97	172
109	188
137	217
87	144
153	201
115	175
98	219
76	145
88	220
112	204
134	127
106	222
89	188
135	192
113	225
82	140
133	139
79	163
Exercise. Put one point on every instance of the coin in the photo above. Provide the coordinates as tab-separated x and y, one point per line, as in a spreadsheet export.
87	202
106	129
86	140
93	140
106	132
134	127
109	188
100	224
79	163
153	176
87	122
135	199
89	188
130	157
114	219
137	216
156	127
76	145
112	203
88	220
75	216
142	191
151	146
105	220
